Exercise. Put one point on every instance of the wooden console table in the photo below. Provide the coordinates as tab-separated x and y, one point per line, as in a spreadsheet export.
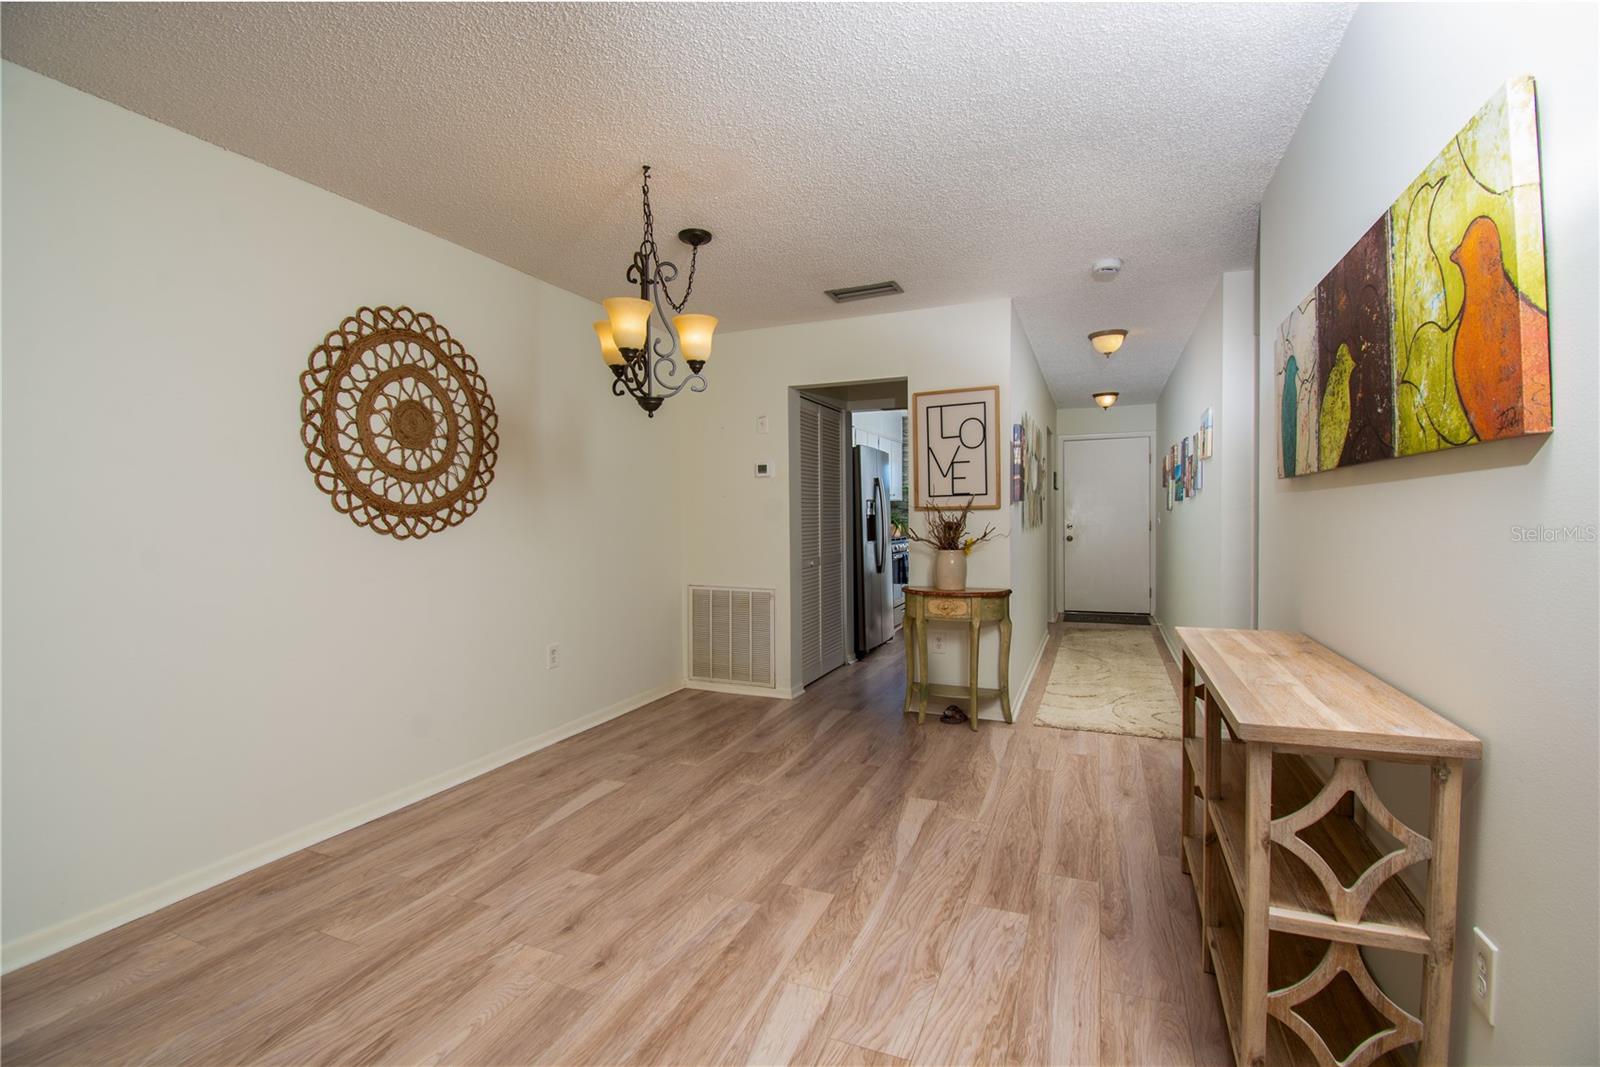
974	607
1290	880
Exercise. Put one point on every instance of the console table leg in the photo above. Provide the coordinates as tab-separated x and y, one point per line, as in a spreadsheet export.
1005	666
927	672
1186	773
1444	827
972	671
1257	830
908	633
1211	861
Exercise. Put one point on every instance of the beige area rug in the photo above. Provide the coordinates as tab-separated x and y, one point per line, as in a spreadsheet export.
1110	679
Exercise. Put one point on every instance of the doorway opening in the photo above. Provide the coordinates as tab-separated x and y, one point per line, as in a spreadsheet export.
848	511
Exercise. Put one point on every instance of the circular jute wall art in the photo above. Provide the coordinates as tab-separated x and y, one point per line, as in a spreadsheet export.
398	424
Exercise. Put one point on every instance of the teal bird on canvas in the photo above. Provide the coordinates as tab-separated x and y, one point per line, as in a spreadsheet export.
1291	378
1335	424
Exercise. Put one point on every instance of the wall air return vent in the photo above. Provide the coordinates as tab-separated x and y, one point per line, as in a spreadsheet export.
863	292
730	635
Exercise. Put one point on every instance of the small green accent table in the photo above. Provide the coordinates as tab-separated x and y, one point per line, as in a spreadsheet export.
974	607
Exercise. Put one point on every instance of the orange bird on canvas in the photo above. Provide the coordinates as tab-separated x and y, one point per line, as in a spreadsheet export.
1502	350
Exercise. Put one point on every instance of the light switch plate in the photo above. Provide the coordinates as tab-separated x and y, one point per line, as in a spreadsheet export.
761	424
1485	965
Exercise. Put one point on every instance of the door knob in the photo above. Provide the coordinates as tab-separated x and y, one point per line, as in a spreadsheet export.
1069	537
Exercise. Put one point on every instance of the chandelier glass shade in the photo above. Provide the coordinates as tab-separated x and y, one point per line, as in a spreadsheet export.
608	344
694	337
630	320
639	341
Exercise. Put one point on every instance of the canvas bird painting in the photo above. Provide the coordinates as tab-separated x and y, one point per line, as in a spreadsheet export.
1432	332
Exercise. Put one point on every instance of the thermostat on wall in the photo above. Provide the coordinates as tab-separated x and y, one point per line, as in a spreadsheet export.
763	470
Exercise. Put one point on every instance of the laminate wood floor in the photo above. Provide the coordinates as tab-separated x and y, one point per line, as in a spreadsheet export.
710	879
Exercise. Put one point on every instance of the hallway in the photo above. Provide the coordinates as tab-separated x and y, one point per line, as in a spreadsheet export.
710	879
464	674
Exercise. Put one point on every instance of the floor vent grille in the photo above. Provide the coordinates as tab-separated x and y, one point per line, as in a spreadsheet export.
730	635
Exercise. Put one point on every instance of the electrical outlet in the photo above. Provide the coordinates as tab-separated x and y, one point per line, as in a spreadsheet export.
552	657
1485	964
936	646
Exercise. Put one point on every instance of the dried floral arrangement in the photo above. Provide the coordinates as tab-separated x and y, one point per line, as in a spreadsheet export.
947	530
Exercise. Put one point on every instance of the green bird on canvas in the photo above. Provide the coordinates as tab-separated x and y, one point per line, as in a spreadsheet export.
1335	409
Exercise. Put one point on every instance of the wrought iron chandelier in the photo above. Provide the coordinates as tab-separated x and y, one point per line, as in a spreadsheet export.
643	362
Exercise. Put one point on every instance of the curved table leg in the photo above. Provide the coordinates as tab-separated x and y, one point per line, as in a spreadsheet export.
922	658
972	671
1005	665
908	634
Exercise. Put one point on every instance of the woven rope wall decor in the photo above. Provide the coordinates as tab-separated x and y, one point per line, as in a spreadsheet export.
398	424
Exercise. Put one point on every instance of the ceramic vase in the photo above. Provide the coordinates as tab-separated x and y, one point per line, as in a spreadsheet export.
950	570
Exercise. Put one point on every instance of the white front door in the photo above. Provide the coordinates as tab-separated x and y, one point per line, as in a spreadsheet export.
1105	491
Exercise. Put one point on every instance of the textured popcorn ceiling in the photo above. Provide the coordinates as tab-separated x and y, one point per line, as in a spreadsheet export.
965	151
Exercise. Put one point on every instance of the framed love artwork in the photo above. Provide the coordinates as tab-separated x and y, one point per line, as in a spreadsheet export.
955	448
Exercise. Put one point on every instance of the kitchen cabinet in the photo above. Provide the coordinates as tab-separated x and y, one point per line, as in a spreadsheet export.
890	445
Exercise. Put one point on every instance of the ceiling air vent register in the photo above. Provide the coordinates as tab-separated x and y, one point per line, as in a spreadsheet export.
863	292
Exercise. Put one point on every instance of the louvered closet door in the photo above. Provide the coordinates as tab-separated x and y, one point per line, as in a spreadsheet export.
832	537
821	592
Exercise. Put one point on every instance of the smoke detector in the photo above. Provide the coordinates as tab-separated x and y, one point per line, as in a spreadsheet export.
1106	269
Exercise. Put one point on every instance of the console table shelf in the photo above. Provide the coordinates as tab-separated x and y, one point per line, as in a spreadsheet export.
1296	899
1295	858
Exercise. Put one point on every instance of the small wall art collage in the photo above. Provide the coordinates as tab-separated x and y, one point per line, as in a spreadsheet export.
1029	468
1183	465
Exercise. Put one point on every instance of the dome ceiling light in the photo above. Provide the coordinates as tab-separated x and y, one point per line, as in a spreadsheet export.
1105	400
1106	342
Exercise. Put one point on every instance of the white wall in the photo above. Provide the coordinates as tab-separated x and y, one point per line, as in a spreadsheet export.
1205	547
1123	418
1031	599
1410	566
1233	468
204	662
1188	537
1088	422
736	528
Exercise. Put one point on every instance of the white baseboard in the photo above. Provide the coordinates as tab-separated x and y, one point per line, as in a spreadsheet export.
1033	669
25	950
743	690
1019	693
1166	635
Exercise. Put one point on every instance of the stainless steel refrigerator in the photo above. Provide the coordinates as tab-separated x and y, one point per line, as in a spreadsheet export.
871	559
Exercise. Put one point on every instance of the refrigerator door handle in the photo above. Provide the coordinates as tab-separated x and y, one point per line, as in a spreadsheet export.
879	542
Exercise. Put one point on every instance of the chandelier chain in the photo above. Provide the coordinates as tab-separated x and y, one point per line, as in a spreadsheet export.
648	254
